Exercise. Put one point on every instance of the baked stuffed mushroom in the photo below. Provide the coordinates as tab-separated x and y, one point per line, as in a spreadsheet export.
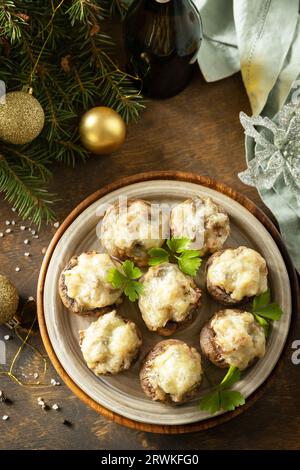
171	372
169	299
110	344
201	220
130	231
83	285
233	338
235	275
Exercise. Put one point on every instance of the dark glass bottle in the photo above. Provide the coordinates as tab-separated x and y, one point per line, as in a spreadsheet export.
162	39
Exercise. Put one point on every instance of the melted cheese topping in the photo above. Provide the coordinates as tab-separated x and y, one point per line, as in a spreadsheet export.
177	370
110	344
240	337
87	281
241	272
202	221
132	227
169	294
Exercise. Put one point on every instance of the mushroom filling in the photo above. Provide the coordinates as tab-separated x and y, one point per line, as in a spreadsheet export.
86	282
240	338
241	272
109	344
169	295
177	371
202	221
133	227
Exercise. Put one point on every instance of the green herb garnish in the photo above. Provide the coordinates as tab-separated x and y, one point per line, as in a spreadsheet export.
265	311
127	280
221	398
176	249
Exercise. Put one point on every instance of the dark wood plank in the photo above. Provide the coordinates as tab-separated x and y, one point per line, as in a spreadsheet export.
196	131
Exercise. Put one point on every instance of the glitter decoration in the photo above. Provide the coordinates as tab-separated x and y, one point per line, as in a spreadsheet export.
277	150
21	118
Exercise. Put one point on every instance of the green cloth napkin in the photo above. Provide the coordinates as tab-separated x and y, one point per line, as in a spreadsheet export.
262	39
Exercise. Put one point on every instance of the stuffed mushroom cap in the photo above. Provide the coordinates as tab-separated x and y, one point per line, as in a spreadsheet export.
233	338
201	220
131	231
171	372
169	298
83	284
110	344
236	274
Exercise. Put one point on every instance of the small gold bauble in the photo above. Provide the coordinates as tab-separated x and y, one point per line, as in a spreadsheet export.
21	118
102	130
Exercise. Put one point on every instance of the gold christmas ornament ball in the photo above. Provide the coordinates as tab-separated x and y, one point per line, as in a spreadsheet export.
102	130
9	299
22	118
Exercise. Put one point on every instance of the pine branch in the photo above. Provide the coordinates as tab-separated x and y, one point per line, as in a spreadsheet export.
117	7
11	21
76	71
27	193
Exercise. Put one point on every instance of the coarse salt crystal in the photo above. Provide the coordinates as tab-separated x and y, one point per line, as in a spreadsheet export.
7	337
26	242
56	224
22	227
5	417
7	222
8	230
17	269
54	382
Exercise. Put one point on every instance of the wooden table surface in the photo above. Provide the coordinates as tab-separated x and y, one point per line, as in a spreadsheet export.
196	131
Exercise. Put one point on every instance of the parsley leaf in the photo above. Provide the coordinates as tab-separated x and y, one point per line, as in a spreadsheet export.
264	310
131	288
231	399
221	398
130	270
211	402
178	245
158	256
262	300
189	262
271	312
115	278
263	322
232	376
177	250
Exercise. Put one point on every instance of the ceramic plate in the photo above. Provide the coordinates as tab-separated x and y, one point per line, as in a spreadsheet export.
122	393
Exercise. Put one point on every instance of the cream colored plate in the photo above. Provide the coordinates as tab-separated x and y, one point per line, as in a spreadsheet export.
122	393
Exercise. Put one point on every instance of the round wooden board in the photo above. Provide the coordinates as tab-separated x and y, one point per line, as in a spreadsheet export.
187	177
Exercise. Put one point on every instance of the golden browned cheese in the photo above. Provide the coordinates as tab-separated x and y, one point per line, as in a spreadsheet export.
242	272
87	281
176	371
169	295
240	337
110	344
